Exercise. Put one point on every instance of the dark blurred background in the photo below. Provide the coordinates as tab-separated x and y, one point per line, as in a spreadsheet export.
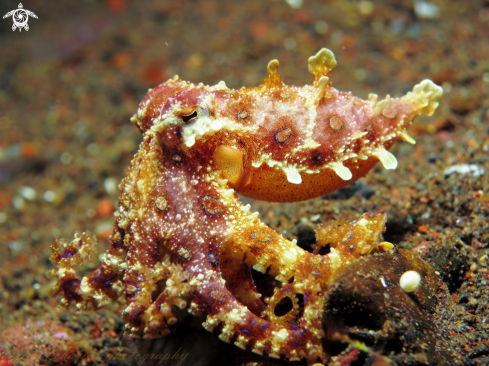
69	85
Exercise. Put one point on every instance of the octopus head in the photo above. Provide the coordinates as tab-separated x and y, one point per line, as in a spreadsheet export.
172	108
193	121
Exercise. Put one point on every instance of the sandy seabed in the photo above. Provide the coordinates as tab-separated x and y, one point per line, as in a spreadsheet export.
69	85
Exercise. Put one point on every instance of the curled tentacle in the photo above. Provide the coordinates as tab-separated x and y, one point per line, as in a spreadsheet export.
183	238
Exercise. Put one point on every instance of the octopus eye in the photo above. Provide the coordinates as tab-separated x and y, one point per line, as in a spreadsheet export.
190	117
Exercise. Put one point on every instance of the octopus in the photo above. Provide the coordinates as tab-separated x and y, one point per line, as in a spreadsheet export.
182	237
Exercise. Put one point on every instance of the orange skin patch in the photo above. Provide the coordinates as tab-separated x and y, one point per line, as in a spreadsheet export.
229	161
182	237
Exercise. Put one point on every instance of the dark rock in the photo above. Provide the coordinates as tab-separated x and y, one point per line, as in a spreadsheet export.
380	314
306	236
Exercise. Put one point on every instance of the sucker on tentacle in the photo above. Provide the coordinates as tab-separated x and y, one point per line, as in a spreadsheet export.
182	237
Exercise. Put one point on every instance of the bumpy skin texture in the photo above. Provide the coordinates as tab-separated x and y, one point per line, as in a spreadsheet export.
183	238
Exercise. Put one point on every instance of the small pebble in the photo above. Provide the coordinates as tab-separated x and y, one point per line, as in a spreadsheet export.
110	185
49	196
296	4
463	169
425	9
321	27
66	158
27	192
18	202
315	217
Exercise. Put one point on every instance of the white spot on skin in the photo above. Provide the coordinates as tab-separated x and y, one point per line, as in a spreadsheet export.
281	336
289	258
410	281
202	126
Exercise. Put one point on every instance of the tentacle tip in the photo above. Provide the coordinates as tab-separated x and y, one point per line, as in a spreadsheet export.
321	64
272	79
430	93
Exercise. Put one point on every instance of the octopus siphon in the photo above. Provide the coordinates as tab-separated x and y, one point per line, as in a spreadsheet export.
183	238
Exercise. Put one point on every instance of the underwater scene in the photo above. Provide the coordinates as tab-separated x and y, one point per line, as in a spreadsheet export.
244	183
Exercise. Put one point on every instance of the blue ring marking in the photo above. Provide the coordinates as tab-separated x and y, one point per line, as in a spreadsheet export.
295	345
261	241
107	283
67	254
211	261
136	290
99	273
205	209
243	115
349	236
298	332
288	137
73	282
313	263
315	273
157	200
245	331
305	299
351	247
216	299
335	126
253	321
157	251
187	253
371	214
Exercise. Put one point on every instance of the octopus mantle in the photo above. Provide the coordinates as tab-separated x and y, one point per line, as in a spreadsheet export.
182	237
